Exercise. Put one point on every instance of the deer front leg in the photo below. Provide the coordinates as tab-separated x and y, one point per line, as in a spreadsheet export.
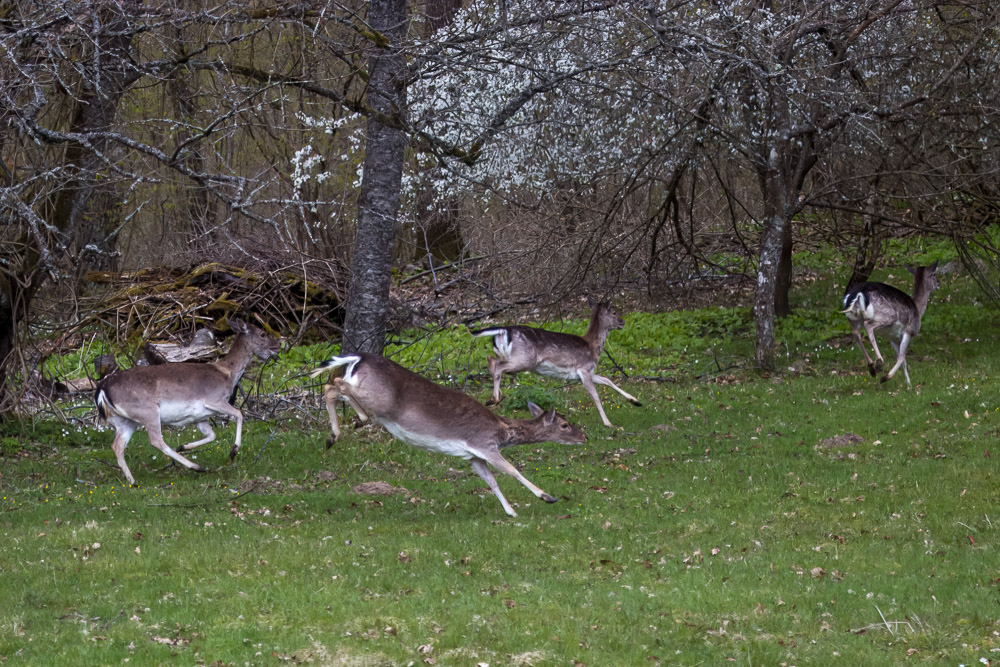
230	411
483	470
588	384
496	460
156	440
206	430
600	379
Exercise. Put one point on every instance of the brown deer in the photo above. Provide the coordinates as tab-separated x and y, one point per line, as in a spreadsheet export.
438	419
180	394
881	307
557	355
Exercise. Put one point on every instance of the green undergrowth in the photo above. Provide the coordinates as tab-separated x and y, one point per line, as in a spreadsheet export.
807	516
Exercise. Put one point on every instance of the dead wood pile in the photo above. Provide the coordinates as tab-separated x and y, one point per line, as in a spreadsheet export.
170	304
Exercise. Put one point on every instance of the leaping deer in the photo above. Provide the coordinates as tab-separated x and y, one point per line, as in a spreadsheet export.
881	307
438	419
179	394
553	354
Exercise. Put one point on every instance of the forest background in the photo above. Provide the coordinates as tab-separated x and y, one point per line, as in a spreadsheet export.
323	156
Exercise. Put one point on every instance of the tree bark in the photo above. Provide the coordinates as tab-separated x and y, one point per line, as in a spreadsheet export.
367	319
776	222
783	285
867	255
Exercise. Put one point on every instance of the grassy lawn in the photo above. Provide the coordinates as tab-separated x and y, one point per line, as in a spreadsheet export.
812	516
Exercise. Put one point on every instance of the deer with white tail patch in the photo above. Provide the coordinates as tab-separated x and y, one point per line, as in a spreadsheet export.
881	307
557	355
438	419
180	394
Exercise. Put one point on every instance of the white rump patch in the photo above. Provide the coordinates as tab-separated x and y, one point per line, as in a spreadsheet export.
858	309
350	360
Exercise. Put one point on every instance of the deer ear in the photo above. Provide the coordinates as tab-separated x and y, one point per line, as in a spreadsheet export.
912	270
535	410
237	325
933	267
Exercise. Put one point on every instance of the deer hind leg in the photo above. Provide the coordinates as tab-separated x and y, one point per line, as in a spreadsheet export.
332	393
879	359
496	370
600	379
588	384
856	330
206	430
123	433
156	440
900	348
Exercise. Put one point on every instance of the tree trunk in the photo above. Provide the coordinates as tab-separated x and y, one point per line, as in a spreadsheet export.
783	285
776	222
869	248
367	318
88	209
767	284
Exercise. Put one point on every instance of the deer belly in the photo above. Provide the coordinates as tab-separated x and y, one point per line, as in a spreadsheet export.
895	330
184	413
430	443
550	370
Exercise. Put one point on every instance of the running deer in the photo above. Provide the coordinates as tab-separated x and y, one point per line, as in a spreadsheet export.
881	307
557	355
180	394
439	419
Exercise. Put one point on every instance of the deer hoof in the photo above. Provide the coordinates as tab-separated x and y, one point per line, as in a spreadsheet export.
232	454
330	441
636	403
492	401
549	499
872	370
198	468
885	378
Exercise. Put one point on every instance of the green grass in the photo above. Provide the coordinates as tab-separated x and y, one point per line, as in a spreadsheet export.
724	522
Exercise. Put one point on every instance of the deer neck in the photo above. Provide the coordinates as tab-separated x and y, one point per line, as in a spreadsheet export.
517	432
596	334
236	360
921	295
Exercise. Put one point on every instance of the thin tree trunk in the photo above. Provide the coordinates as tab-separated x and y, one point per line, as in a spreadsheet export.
439	234
867	255
367	319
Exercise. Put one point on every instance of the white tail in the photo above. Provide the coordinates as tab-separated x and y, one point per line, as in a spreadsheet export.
179	394
553	354
881	307
439	419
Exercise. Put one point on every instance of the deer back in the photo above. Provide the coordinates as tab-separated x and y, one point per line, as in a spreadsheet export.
391	393
428	415
179	391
